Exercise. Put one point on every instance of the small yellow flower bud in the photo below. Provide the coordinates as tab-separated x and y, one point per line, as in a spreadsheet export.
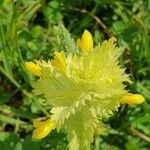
132	99
43	128
59	61
33	68
86	42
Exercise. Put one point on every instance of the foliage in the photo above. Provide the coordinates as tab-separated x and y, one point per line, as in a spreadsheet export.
29	30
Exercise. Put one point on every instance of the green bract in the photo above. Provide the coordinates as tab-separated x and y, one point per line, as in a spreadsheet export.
89	90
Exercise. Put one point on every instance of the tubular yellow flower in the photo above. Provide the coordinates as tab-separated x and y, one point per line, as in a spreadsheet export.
86	42
43	128
59	61
33	68
132	99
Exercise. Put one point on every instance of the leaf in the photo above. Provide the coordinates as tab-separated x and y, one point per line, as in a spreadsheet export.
4	96
142	123
133	144
104	107
30	144
67	43
57	88
10	141
80	133
54	4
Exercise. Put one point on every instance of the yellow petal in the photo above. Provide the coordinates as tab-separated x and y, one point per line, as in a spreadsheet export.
33	68
41	132
37	122
87	42
59	61
43	129
132	99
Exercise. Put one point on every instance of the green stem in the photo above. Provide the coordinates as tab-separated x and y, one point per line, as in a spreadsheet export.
30	96
14	30
13	121
4	47
29	11
5	109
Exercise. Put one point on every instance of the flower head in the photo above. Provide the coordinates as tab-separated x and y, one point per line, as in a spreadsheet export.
33	68
90	88
132	99
43	128
86	42
95	79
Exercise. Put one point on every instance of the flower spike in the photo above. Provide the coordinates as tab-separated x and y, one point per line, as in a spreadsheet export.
86	42
132	99
33	68
43	128
82	90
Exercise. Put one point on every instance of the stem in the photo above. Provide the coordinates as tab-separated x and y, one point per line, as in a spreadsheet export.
5	109
30	96
13	121
4	47
96	18
14	30
29	11
139	134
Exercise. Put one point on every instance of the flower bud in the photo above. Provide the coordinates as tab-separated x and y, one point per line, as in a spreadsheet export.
59	61
43	128
86	42
33	68
132	99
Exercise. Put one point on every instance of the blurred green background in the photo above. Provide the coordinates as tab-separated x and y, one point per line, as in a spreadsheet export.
29	31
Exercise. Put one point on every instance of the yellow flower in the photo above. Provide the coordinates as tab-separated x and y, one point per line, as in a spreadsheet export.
42	128
59	61
33	68
132	99
86	42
